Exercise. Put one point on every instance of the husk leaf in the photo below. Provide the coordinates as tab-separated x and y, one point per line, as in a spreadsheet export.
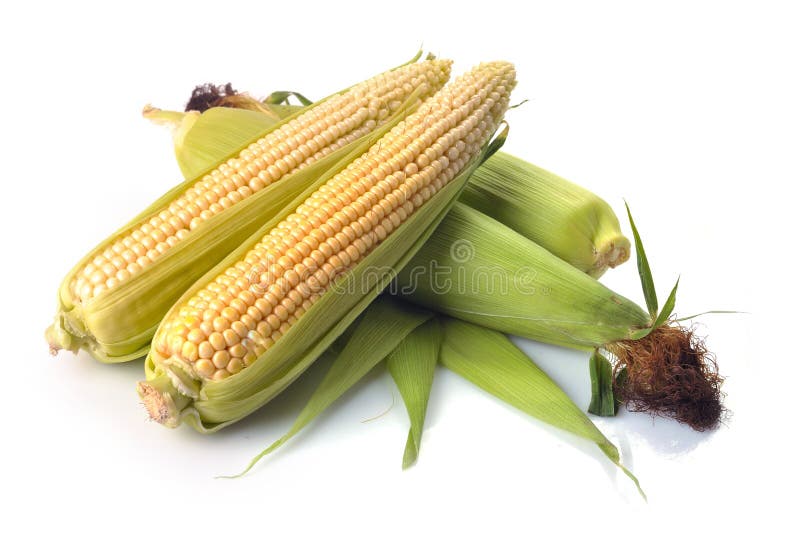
385	325
412	365
568	220
489	360
477	269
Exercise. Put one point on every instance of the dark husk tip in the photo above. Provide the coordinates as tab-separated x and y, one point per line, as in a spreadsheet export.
670	373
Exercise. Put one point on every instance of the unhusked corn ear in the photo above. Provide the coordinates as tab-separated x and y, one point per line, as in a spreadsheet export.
479	270
215	212
508	283
243	313
566	219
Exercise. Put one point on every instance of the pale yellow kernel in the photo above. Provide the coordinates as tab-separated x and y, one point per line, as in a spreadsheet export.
221	324
217	341
97	277
196	336
221	358
220	375
246	325
231	338
273	321
249	359
204	367
229	313
189	351
205	350
235	365
123	275
264	329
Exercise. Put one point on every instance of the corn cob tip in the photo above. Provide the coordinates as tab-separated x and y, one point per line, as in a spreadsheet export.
162	400
59	339
670	373
614	250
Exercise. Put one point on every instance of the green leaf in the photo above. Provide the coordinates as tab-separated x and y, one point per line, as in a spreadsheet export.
669	306
382	327
489	360
640	334
645	275
602	375
412	365
713	312
496	143
282	97
216	134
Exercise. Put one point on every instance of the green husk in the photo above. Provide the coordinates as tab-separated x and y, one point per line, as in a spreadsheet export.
477	269
412	365
118	325
489	360
202	141
566	219
214	405
383	329
601	374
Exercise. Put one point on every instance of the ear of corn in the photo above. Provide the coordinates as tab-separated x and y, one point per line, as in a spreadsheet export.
476	269
113	299
566	219
316	266
479	270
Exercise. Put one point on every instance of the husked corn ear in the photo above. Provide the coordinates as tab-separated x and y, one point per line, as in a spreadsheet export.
111	303
225	326
257	320
303	140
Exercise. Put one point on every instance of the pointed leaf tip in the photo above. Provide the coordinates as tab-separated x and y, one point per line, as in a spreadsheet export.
646	276
669	306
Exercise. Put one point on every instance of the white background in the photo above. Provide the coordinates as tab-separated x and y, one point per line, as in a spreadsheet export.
689	110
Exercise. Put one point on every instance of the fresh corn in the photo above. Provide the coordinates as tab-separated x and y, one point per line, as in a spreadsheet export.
260	317
112	301
476	269
566	219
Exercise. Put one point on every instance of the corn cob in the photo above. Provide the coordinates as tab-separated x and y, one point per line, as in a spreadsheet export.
476	269
264	314
113	299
